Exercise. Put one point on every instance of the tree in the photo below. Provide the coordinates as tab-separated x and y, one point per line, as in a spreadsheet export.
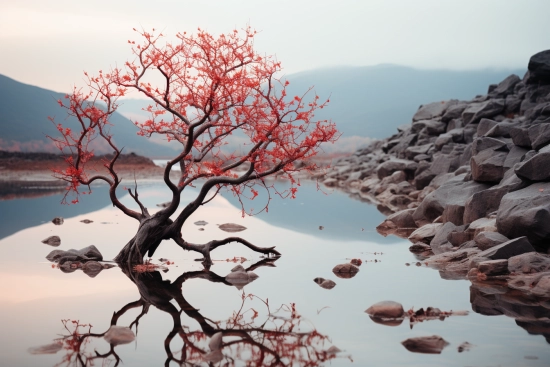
207	89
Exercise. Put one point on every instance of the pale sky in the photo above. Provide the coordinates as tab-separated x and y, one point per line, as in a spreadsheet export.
50	43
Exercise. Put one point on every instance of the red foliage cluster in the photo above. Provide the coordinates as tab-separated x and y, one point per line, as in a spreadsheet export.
210	88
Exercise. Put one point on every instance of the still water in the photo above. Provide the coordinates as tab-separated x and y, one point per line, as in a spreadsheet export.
300	322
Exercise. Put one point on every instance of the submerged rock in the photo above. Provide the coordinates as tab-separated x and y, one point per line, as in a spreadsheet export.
58	221
425	344
231	227
200	223
52	241
345	271
386	310
325	283
118	335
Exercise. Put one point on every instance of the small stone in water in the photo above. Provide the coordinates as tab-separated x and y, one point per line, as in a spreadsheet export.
201	229
407	264
231	227
86	221
201	223
58	221
52	241
321	228
418	264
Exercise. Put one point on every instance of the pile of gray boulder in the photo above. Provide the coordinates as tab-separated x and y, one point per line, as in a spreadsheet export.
468	182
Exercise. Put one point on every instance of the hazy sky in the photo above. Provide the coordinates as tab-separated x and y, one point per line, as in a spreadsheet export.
50	43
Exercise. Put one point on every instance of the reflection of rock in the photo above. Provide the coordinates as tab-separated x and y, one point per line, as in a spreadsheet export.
118	335
425	344
239	277
92	268
85	254
464	347
58	221
345	271
231	227
325	283
386	310
46	349
201	223
52	241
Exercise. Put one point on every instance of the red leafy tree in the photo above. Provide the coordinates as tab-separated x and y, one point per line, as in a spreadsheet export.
209	89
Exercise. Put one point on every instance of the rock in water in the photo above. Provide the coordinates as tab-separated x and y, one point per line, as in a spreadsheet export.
86	221
345	271
386	310
200	223
118	335
52	241
325	283
231	227
425	344
58	221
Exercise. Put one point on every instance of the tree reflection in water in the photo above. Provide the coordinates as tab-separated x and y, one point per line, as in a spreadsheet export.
278	339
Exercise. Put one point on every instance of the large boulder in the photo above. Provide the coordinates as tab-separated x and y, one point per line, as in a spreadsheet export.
486	240
539	135
456	191
476	111
539	67
506	250
530	262
431	110
488	165
536	168
526	212
507	85
387	168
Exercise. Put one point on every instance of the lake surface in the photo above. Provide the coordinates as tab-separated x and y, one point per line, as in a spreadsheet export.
35	297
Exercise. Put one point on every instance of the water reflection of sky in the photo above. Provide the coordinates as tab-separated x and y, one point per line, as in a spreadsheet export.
35	297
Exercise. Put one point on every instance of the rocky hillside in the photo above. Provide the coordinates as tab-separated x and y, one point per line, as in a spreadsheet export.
468	182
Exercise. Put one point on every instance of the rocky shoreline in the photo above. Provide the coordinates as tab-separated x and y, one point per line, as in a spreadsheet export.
468	183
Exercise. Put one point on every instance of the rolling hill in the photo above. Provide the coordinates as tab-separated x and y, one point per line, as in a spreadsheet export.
24	111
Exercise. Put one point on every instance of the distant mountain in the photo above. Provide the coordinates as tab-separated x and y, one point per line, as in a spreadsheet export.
373	100
24	124
368	101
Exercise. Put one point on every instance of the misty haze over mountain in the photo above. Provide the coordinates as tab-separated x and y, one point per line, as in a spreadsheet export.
365	102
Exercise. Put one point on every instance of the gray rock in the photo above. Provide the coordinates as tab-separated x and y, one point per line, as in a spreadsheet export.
118	335
52	241
493	267
453	112
513	103
476	111
325	283
488	165
85	254
345	271
387	168
515	155
425	344
482	225
440	239
413	151
403	219
539	67
526	212
536	168
486	240
483	143
231	227
506	250
530	262
539	135
58	221
520	136
484	126
459	236
431	110
537	284
454	192
506	86
425	233
386	310
92	268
